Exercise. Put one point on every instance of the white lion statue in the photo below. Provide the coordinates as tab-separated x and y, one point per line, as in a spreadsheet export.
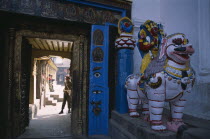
168	78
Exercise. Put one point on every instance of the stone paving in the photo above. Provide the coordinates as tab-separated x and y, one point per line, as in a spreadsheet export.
49	124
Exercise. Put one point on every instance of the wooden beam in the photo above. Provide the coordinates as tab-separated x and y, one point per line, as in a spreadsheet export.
47	44
53	45
37	43
34	45
41	42
40	53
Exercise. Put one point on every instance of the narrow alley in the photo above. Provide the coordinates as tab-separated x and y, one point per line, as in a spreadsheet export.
48	123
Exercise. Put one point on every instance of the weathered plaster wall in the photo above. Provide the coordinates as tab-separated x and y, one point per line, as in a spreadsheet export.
191	17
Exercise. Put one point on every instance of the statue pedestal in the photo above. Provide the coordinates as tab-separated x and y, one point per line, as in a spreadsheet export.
124	127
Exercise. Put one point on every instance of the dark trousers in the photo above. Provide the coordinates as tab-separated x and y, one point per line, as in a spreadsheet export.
68	99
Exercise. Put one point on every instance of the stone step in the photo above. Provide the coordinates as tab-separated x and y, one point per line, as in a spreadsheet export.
98	137
51	99
116	131
60	94
136	127
57	97
50	103
196	127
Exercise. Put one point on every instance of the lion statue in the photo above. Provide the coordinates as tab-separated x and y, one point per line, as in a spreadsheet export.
168	77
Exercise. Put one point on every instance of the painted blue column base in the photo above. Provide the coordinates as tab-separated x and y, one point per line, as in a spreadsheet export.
124	68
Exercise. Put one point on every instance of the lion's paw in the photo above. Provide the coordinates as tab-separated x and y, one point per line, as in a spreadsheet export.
134	114
173	126
158	127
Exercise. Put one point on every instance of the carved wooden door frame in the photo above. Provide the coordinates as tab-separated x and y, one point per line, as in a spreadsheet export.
79	66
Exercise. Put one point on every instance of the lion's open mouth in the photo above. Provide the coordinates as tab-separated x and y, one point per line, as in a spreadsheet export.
185	56
182	56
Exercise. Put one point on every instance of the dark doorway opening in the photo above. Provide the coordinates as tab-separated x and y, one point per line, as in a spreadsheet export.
18	29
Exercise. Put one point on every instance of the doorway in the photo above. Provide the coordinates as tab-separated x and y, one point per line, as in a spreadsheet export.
46	95
29	52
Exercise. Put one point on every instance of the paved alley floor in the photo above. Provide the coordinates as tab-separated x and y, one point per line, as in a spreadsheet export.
49	124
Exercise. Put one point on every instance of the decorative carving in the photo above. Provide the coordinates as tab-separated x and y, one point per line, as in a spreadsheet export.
27	6
98	54
47	8
4	4
125	29
62	10
98	38
108	17
121	4
89	15
125	26
71	12
96	109
176	76
150	36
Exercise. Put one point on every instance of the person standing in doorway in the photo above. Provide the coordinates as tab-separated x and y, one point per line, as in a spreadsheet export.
67	94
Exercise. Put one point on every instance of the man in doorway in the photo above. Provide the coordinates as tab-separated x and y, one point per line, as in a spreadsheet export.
67	94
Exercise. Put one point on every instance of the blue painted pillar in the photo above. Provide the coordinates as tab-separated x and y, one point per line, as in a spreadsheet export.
124	68
125	45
